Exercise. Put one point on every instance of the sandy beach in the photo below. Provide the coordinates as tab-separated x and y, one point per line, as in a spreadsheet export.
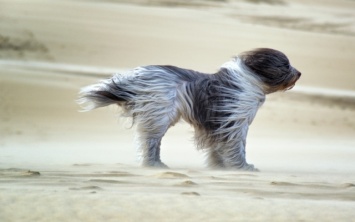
59	164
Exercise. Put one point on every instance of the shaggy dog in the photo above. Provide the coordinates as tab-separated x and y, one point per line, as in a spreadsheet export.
219	106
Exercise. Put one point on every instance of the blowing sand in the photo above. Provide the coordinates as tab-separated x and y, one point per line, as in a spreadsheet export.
57	164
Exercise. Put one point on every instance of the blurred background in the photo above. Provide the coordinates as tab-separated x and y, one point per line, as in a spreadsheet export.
50	49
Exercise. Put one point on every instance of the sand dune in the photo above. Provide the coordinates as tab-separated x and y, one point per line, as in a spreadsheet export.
57	164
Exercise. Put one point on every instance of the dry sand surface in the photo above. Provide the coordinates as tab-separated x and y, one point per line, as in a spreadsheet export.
57	164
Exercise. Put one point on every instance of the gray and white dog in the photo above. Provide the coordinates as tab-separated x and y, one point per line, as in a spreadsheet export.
219	106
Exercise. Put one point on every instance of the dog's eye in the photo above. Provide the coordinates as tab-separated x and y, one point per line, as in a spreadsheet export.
288	66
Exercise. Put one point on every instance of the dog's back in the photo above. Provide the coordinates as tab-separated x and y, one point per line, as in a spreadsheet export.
140	83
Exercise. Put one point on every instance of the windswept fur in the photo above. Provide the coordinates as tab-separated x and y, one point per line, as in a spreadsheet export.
220	106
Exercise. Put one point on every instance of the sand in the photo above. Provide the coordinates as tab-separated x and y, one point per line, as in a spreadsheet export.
58	164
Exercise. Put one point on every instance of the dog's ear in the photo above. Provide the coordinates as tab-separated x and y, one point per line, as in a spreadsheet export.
265	62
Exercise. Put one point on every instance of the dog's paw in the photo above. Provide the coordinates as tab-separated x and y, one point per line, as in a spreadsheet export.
250	167
160	165
156	165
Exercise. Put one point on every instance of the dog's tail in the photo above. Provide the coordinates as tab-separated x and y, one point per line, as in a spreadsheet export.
104	93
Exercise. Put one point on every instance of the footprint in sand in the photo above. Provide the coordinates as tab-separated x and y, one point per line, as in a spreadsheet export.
107	174
313	185
190	194
278	183
186	183
171	175
111	174
109	181
32	173
86	188
83	164
12	172
306	185
347	185
120	174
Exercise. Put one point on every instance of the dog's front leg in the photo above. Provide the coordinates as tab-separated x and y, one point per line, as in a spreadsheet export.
234	154
234	158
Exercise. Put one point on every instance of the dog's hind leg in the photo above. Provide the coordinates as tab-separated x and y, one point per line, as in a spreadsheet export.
148	138
149	149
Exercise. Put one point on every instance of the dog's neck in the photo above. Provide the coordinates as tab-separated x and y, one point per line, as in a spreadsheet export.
242	72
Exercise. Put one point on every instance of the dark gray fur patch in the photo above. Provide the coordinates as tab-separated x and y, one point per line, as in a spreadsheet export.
272	66
209	100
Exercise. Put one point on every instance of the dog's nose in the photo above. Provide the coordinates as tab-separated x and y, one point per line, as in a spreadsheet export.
298	73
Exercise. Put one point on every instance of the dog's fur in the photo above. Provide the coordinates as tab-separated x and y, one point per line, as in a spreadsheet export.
219	106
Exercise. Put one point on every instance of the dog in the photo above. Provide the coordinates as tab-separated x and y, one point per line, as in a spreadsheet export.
219	106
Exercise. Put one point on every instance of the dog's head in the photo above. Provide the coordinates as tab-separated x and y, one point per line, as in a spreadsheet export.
272	67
